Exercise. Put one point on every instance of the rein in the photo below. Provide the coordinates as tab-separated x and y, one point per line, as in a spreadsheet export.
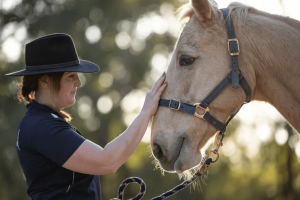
236	79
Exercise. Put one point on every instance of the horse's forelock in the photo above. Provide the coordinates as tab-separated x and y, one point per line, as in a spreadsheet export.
185	12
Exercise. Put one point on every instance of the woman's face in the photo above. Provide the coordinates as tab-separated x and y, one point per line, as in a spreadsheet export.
68	86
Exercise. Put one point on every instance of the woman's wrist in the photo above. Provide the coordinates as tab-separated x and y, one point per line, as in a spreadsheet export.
145	114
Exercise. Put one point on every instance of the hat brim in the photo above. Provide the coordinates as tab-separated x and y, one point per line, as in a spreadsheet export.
84	67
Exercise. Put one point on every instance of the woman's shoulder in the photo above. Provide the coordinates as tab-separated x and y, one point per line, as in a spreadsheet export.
38	123
42	120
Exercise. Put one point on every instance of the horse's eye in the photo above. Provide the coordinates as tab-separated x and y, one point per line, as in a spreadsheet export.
186	60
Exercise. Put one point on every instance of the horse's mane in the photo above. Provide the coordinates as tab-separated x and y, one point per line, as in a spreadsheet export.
185	12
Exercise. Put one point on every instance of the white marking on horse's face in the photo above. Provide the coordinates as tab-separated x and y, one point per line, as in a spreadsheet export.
177	137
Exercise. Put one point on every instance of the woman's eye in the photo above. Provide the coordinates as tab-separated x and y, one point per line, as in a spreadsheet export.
186	60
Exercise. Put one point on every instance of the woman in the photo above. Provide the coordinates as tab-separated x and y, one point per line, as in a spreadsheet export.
57	161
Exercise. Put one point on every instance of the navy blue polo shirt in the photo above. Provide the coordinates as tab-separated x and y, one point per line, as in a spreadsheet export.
45	142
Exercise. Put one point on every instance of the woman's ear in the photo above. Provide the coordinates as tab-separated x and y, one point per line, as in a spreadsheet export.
202	9
44	82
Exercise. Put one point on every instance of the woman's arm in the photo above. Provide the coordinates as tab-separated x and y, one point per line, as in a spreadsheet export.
90	158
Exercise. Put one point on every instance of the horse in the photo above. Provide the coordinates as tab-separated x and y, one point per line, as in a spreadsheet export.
268	59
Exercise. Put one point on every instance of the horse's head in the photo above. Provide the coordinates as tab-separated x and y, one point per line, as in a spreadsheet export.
200	62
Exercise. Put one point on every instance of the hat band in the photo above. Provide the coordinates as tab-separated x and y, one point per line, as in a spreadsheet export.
52	66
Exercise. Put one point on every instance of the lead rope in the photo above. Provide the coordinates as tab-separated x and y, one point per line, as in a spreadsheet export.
183	185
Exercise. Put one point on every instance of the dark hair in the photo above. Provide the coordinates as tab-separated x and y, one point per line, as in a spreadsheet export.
29	85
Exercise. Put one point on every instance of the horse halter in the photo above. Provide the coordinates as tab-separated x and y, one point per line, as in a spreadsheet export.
235	77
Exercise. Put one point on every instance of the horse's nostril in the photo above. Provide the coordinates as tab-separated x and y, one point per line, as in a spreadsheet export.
158	153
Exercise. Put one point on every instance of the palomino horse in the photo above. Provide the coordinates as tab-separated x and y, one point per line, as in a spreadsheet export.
269	60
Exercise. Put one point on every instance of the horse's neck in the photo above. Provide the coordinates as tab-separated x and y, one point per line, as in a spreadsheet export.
271	50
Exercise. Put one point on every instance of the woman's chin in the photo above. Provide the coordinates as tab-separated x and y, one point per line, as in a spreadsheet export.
69	103
72	102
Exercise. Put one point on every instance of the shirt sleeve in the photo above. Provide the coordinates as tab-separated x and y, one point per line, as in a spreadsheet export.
55	139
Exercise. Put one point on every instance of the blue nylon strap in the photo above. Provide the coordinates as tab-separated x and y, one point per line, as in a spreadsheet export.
205	103
235	71
216	123
233	48
190	109
246	88
228	23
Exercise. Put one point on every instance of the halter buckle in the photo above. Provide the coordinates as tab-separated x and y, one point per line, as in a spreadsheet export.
179	103
237	52
200	116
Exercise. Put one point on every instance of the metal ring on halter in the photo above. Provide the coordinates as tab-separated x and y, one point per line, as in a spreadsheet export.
219	142
215	151
205	110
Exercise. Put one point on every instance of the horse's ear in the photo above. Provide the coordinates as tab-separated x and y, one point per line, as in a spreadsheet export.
203	9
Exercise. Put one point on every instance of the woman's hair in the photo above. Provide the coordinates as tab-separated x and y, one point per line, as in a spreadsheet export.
29	85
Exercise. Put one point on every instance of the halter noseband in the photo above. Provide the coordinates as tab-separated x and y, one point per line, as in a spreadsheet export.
234	77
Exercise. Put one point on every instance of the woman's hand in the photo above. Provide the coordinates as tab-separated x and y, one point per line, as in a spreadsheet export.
153	96
90	158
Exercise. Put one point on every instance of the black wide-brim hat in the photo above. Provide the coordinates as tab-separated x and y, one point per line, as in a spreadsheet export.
53	53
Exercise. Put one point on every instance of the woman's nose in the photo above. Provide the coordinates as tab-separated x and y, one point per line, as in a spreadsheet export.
78	83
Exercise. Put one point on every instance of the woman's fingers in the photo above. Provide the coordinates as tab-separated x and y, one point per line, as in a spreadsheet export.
158	84
152	97
161	89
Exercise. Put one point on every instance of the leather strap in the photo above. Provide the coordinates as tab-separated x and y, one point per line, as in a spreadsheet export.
232	47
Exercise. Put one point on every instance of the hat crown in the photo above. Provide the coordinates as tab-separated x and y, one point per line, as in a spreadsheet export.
50	50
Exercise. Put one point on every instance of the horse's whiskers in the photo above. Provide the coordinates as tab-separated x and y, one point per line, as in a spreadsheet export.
158	167
150	150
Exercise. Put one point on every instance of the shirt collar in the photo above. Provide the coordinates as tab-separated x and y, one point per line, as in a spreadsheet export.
35	106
